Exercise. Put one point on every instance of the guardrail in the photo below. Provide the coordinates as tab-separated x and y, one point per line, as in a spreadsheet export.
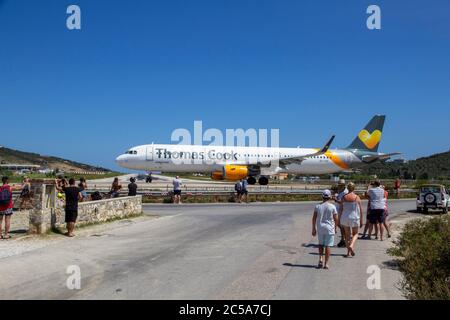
225	190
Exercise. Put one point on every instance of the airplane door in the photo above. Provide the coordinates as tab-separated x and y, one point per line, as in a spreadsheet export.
149	155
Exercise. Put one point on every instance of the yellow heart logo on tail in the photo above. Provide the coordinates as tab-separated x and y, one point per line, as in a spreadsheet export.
370	140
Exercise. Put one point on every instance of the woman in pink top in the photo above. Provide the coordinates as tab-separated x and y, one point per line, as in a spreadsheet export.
6	206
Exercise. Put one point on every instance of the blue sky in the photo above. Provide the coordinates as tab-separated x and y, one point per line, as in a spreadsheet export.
139	69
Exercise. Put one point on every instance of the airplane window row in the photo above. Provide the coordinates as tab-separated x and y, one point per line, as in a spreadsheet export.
258	155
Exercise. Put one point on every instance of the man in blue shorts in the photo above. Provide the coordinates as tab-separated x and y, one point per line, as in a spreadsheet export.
324	223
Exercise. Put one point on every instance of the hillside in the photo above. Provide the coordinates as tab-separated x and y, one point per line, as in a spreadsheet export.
433	167
19	157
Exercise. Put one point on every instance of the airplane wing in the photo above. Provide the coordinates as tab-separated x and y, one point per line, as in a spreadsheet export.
299	160
379	157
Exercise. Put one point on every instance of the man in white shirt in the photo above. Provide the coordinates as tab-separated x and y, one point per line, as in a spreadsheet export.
177	190
377	200
324	224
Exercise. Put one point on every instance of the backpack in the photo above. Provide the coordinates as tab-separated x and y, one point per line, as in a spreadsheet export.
238	186
5	196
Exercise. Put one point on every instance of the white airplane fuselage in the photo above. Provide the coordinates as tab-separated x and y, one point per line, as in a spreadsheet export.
197	158
236	163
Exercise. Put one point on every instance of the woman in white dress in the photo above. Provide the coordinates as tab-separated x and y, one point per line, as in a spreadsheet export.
351	218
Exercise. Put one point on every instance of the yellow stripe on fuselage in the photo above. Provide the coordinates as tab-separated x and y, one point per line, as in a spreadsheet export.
336	160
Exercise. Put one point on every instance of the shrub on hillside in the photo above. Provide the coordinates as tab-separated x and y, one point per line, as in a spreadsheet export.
423	249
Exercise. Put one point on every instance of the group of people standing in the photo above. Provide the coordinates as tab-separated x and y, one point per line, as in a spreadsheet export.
344	211
75	194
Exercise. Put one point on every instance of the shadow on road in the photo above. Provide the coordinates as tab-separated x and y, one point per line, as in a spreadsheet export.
300	265
19	231
331	254
391	264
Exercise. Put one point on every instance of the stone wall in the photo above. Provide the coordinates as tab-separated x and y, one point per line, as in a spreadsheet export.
20	221
101	210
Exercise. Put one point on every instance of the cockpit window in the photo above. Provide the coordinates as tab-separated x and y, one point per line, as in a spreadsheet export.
131	152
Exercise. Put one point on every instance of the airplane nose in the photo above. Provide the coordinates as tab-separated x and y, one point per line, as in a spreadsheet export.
120	159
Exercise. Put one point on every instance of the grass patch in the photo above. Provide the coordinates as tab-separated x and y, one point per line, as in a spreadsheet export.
423	257
251	198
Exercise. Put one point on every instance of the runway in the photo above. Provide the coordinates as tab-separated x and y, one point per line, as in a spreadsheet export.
219	251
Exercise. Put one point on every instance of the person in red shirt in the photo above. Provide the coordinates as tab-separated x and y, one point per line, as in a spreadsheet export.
397	185
6	206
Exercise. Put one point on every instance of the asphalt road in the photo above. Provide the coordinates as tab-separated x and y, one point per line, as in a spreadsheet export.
219	251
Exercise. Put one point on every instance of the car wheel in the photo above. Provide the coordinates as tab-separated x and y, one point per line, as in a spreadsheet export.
425	210
251	181
445	210
430	198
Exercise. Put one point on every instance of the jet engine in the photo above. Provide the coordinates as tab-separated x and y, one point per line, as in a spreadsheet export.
217	175
231	173
234	173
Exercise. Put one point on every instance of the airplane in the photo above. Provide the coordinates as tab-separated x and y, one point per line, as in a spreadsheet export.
256	164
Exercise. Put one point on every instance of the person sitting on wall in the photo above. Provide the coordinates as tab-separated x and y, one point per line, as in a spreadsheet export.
115	188
132	187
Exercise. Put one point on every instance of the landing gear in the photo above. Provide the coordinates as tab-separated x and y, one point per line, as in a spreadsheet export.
251	180
263	181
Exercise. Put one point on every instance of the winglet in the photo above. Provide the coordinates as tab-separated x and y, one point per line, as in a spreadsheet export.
327	145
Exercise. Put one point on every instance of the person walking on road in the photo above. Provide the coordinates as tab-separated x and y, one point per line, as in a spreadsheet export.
324	223
6	206
350	218
73	196
368	226
377	201
386	213
341	192
177	190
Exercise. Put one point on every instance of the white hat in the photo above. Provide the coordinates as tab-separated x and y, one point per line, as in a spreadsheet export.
326	194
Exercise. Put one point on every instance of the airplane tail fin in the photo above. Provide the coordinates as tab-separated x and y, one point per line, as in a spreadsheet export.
369	138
